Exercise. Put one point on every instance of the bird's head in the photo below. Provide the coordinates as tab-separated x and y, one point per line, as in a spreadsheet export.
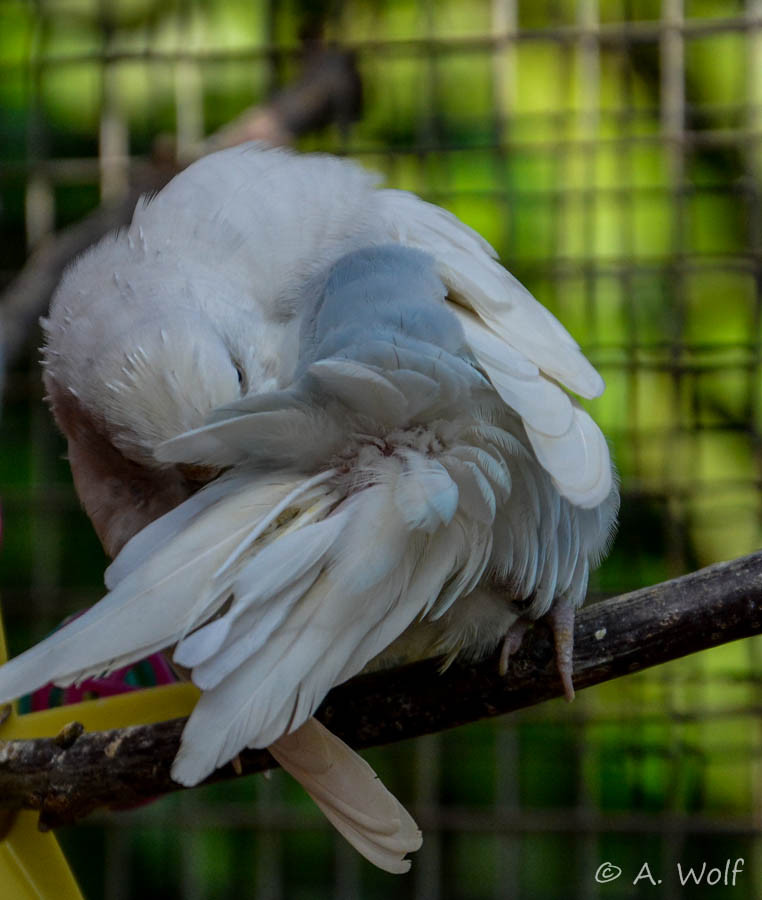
126	369
153	381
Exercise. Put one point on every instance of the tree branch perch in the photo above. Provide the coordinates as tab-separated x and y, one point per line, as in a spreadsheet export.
70	776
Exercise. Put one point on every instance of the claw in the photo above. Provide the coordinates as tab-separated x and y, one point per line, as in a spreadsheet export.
561	620
512	641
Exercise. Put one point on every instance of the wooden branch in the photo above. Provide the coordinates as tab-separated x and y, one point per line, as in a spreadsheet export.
69	776
328	90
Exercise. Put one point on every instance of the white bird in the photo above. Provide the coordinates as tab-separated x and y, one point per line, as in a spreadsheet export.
321	429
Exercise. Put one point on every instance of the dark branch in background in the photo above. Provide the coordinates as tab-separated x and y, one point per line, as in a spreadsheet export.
70	776
328	90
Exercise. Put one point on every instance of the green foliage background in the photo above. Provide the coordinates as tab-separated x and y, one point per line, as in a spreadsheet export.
641	232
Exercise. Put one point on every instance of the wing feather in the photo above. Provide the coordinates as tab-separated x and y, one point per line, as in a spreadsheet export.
151	608
481	284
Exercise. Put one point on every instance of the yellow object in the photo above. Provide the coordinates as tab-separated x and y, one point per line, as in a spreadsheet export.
32	866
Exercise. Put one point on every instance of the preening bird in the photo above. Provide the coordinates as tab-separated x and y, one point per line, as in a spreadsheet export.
320	428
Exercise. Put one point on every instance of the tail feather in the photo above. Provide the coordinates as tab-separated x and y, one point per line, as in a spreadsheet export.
350	795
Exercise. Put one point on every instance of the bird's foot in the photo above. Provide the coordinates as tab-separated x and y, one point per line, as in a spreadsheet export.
560	618
512	641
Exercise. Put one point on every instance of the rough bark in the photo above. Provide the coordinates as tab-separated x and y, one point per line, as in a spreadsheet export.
69	776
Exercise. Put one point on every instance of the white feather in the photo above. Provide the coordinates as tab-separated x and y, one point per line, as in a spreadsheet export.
279	686
242	636
274	569
578	460
152	607
542	405
481	284
284	435
424	494
475	494
260	682
156	535
489	466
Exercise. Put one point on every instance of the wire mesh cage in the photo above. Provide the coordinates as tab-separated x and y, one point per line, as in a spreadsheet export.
611	151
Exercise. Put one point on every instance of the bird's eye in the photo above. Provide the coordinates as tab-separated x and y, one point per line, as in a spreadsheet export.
241	376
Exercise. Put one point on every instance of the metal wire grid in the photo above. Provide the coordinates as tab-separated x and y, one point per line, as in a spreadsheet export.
475	847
